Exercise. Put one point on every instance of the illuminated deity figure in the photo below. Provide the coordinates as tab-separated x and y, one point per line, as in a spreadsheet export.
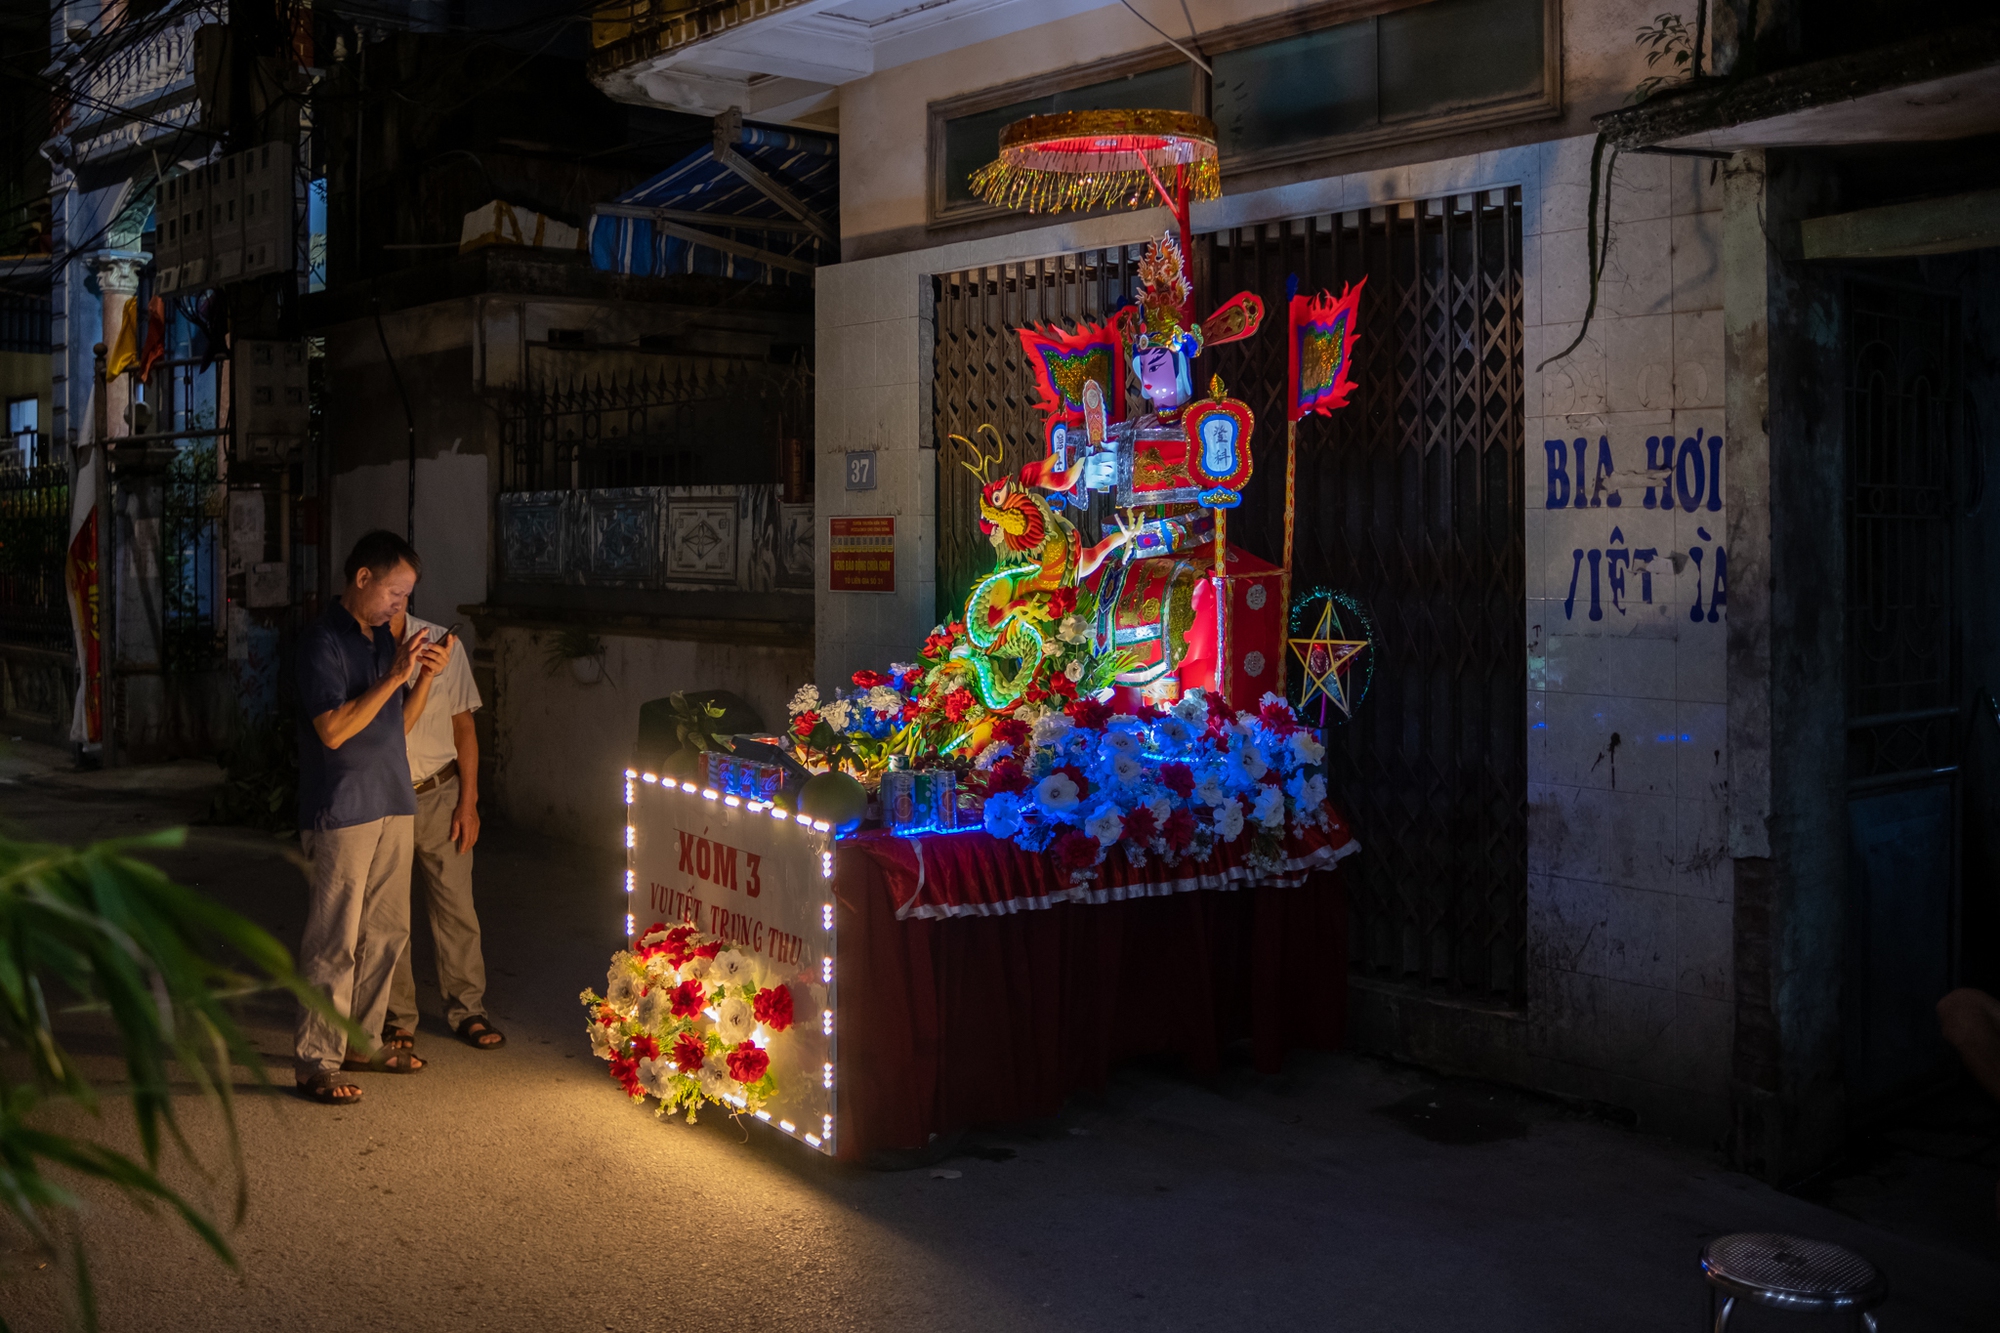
1156	603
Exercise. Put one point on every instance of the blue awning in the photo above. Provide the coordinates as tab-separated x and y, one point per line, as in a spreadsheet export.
760	206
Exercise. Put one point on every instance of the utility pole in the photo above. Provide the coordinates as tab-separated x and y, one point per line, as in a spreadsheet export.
107	579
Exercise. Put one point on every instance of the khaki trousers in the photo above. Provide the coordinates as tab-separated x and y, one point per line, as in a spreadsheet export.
445	877
357	930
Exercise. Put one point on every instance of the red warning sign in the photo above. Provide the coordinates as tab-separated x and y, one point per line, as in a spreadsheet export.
863	555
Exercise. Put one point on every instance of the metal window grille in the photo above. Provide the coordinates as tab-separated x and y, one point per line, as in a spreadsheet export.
25	324
1901	537
34	538
1410	497
682	424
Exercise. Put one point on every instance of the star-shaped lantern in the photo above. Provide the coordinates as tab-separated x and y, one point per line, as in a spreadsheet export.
1323	655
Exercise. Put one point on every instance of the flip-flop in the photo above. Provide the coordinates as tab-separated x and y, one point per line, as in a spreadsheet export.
322	1087
475	1027
386	1062
399	1039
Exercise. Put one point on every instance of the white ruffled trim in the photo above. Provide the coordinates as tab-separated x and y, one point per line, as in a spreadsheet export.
1289	873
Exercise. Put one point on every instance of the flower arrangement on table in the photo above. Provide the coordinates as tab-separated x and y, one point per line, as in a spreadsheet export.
684	1019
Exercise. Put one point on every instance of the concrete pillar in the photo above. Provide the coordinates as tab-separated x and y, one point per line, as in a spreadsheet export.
117	273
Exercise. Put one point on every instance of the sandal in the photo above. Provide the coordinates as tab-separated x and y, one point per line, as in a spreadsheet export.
399	1039
324	1088
387	1062
476	1027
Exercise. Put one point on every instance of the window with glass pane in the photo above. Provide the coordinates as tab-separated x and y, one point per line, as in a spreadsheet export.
970	142
1423	61
23	420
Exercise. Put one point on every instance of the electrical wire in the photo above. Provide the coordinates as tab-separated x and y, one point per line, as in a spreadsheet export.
1173	41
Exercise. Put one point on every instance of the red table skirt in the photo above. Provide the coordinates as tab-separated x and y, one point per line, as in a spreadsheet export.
952	1022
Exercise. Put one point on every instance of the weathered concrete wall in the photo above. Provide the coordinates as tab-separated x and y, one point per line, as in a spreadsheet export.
563	745
884	179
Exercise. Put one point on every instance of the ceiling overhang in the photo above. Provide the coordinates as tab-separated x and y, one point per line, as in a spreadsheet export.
782	61
1939	87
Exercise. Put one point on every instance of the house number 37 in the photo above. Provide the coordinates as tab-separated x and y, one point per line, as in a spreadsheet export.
861	470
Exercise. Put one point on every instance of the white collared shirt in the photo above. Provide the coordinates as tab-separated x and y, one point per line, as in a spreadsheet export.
452	692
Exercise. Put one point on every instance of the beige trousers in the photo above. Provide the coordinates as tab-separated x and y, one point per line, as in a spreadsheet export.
357	930
445	877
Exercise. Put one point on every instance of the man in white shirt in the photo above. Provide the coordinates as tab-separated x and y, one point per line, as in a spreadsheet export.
444	768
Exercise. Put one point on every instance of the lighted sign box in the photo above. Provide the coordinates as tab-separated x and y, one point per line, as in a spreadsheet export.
762	880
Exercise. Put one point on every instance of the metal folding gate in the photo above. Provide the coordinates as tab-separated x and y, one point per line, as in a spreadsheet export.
1410	498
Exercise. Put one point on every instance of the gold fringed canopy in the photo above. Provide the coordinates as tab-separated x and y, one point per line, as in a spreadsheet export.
1100	159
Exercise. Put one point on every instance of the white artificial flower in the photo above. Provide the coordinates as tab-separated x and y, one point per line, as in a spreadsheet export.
901	669
1107	825
1162	807
1127	770
1056	794
1306	748
1075	628
805	701
1074	671
733	967
1210	786
1192	709
1270	807
654	1073
1249	756
715	1080
1171	734
734	1020
620	986
600	1041
1309	792
882	699
653	938
839	714
652	1007
991	755
1121	740
1003	814
1272	697
697	968
1229	819
1049	727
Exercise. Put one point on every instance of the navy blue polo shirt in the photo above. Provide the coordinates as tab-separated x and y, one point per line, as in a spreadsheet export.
368	777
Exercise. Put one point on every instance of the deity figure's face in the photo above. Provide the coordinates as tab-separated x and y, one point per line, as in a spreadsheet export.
1160	378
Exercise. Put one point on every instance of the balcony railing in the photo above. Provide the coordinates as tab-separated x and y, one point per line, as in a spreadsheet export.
153	65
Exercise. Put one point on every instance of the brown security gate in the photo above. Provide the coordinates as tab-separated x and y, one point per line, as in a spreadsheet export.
1410	498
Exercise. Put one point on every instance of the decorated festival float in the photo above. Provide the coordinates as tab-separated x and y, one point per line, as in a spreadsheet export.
1120	720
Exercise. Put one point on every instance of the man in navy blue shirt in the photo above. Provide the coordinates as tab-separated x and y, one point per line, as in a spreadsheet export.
360	691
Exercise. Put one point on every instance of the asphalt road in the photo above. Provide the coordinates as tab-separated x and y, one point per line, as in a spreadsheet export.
519	1190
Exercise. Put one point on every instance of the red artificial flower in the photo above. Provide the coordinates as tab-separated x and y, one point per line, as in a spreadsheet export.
1076	850
1179	831
1061	686
1007	775
1089	713
708	950
908	713
689	1052
1062	601
1278	718
803	724
937	644
1033	692
606	1015
868	680
1150	712
1139	825
747	1064
645	1047
958	703
627	1073
773	1007
1011	730
686	1000
1178	779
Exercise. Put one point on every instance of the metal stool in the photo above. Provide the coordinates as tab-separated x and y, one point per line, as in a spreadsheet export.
1792	1273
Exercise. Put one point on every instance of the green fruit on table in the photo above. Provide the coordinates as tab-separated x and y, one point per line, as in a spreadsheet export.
836	798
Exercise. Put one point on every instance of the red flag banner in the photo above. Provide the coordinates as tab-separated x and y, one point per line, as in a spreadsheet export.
1321	350
80	578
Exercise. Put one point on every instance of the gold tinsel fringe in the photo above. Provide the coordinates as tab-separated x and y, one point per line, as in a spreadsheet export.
1037	189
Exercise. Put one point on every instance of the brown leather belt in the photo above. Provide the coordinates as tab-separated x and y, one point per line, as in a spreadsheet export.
439	778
